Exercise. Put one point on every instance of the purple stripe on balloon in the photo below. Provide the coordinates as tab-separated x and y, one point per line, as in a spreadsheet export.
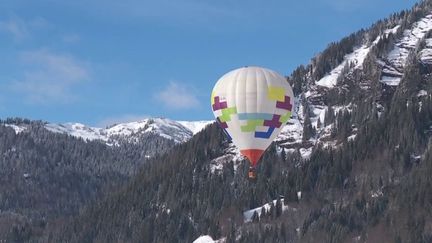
285	105
223	125
218	105
273	122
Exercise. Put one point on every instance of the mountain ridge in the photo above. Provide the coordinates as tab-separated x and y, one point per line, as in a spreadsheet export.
178	131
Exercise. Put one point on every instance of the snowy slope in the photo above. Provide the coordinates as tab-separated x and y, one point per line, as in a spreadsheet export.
247	215
78	130
355	58
130	131
291	135
207	239
164	127
352	61
426	53
396	59
16	128
195	126
231	154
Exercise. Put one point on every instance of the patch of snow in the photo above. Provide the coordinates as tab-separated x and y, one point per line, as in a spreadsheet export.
291	134
279	150
318	111
217	164
415	157
426	53
78	130
330	80
380	109
17	129
338	108
421	93
392	30
207	239
426	56
195	126
396	59
309	93
290	151
377	193
322	116
392	81
306	152
355	58
247	215
204	239
352	137
387	32
232	153
329	144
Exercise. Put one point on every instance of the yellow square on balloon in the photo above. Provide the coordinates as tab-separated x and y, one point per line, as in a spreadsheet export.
276	93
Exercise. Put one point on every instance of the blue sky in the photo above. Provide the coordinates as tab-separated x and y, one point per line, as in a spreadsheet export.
100	62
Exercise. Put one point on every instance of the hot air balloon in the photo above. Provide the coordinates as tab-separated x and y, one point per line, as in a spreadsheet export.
252	104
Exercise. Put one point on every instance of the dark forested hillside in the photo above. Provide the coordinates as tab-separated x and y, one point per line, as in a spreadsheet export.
353	164
47	176
370	188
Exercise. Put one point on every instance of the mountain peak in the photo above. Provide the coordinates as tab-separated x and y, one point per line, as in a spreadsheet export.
179	132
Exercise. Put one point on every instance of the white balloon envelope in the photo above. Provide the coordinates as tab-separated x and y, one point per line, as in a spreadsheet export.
252	104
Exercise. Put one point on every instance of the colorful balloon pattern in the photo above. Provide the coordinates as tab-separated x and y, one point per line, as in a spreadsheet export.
252	104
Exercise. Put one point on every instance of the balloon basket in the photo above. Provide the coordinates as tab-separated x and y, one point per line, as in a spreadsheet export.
252	175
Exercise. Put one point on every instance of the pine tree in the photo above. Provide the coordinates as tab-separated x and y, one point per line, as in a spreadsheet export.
308	130
278	207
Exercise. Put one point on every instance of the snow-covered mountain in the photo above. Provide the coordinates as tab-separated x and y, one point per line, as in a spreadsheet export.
178	132
349	76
